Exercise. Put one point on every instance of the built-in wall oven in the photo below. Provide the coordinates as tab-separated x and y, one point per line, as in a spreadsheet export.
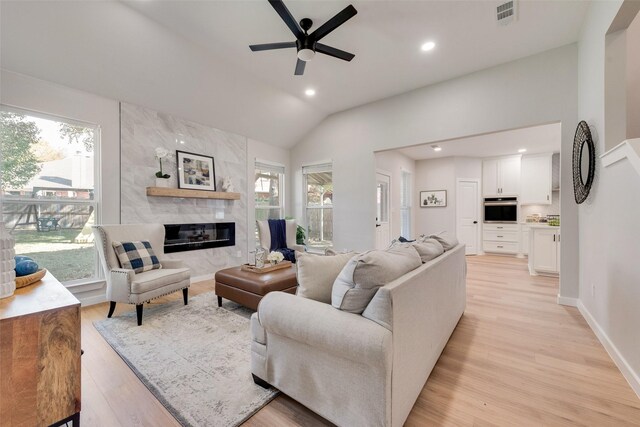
501	209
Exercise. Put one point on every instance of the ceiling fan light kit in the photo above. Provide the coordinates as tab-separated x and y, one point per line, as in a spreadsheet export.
308	44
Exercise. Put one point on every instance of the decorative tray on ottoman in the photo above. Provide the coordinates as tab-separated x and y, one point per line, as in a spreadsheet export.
267	267
30	279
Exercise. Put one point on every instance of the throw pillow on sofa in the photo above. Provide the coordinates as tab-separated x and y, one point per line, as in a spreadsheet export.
361	277
428	249
316	274
447	242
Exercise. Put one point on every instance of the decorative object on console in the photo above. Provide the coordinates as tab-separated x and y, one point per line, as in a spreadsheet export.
584	162
433	199
227	185
30	279
162	179
7	262
195	171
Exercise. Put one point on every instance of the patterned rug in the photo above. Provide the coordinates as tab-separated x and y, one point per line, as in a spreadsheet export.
195	359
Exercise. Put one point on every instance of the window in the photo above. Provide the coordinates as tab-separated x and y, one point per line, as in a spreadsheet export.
405	204
269	186
318	184
48	189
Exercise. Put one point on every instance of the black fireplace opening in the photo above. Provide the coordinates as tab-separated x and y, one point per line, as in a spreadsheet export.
191	237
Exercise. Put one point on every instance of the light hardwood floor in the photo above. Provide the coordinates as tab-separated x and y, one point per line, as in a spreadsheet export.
515	359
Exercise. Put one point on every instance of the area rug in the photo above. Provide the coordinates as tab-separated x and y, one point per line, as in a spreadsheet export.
195	359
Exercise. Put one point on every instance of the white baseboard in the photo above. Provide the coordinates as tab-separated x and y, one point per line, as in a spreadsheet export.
571	302
627	372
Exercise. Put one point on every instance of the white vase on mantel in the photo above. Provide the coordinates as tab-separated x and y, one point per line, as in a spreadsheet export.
7	263
162	182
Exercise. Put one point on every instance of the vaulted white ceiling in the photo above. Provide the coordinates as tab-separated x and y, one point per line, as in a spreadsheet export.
192	58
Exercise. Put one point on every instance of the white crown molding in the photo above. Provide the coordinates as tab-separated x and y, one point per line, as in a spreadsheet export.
629	149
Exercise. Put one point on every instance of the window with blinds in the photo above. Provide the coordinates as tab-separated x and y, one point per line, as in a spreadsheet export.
269	191
318	185
405	204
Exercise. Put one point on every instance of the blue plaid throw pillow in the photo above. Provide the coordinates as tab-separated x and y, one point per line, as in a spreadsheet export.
136	256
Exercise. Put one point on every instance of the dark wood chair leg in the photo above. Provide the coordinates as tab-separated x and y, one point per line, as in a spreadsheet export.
139	313
219	301
259	381
112	308
185	295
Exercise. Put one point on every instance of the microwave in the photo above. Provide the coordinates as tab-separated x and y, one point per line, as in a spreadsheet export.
501	209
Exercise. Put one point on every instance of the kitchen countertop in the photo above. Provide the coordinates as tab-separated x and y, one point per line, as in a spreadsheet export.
539	225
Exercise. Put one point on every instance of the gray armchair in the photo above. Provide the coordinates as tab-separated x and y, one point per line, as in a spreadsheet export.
265	235
125	285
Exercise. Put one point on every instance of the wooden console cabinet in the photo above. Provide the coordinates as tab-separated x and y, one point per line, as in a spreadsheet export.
40	356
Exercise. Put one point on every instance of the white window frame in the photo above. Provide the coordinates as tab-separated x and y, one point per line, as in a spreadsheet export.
98	276
405	204
267	166
326	166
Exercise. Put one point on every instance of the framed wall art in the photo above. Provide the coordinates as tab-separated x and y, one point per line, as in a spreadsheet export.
195	171
433	199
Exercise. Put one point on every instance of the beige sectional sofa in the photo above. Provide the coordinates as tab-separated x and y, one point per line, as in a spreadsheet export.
361	370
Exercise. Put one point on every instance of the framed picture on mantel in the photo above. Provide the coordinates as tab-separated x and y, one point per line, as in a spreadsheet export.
195	171
433	199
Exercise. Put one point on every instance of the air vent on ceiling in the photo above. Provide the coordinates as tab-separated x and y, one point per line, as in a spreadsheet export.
506	12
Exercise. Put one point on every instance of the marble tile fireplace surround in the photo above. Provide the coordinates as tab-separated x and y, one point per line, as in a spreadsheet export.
142	131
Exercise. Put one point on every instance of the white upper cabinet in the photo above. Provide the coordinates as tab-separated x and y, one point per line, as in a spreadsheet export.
501	177
536	180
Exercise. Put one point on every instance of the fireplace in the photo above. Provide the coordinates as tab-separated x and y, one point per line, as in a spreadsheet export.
191	237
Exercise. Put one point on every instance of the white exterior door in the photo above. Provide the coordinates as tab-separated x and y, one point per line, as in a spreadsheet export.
468	215
383	231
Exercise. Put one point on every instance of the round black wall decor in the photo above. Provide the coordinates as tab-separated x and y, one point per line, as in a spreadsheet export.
584	162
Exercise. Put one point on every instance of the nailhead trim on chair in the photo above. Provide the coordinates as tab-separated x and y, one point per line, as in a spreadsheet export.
168	293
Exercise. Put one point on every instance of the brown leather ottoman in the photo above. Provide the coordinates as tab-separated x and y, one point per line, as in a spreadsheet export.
247	288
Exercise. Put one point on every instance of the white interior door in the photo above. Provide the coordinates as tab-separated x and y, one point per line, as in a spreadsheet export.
383	232
468	214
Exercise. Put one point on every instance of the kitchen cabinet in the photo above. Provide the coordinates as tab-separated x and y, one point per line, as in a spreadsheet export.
501	177
524	239
501	238
536	177
544	253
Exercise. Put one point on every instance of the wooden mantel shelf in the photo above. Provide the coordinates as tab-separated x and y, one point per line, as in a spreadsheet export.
193	194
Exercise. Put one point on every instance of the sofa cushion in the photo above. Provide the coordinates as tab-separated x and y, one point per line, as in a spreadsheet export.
428	249
316	274
136	256
361	277
154	279
447	242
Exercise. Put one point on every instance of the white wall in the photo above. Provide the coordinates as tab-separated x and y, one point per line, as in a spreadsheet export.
609	231
442	174
535	90
395	163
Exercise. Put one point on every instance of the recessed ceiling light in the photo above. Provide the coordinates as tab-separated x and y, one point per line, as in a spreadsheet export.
428	46
436	148
310	92
522	150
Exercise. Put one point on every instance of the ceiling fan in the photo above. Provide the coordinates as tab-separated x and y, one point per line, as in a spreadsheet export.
308	44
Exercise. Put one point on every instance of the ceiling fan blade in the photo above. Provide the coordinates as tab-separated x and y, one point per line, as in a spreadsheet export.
300	67
288	19
332	51
271	46
333	23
